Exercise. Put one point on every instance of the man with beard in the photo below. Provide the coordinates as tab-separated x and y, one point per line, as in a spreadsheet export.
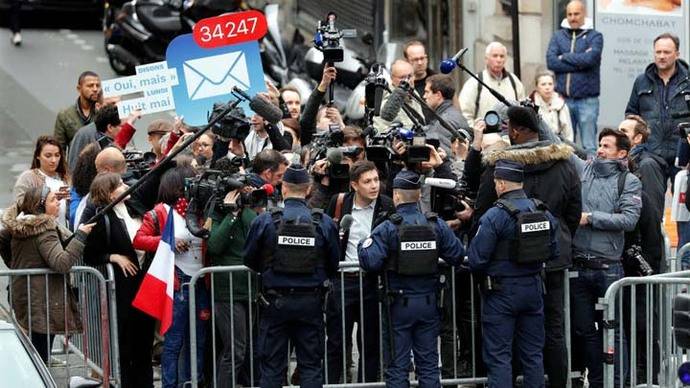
70	119
552	178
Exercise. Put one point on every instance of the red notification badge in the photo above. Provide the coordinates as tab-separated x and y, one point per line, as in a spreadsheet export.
230	29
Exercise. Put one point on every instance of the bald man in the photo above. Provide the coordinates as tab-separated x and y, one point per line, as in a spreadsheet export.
574	54
111	159
475	100
400	70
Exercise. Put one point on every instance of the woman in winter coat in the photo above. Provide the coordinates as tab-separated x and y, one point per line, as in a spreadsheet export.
111	242
188	261
37	242
48	167
552	108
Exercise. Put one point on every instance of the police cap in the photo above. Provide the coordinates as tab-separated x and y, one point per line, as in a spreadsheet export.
407	180
509	170
296	174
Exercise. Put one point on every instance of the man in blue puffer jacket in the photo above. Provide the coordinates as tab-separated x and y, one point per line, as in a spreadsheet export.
574	54
660	92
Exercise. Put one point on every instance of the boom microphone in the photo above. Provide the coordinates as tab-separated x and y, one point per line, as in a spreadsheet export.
447	65
263	108
334	155
395	102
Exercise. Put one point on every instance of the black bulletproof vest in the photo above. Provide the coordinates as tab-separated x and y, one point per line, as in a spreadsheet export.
532	241
417	253
295	250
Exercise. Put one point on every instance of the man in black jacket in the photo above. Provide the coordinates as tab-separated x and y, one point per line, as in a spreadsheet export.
553	179
368	208
650	169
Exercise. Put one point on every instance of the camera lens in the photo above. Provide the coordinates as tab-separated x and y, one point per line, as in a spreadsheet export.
491	118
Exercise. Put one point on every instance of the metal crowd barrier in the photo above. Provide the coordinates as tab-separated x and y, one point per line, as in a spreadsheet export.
656	364
462	365
94	348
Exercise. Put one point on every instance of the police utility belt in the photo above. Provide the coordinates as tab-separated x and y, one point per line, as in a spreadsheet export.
294	250
417	253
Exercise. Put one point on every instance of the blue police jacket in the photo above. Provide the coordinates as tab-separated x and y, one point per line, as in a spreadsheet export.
497	225
262	233
375	250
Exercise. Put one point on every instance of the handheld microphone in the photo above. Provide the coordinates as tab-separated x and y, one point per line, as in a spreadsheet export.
447	65
263	108
442	183
268	188
345	224
395	102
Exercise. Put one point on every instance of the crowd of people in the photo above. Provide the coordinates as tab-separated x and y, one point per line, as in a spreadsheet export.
549	192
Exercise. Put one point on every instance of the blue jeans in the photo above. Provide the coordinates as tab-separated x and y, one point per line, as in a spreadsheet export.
683	238
586	289
584	113
178	334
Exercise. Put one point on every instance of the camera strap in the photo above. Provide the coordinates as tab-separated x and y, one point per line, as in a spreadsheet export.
338	207
480	86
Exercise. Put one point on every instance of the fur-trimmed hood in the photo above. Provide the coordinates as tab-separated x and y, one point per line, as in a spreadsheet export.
24	226
535	153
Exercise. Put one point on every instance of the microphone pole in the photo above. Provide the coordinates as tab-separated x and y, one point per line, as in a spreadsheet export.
407	109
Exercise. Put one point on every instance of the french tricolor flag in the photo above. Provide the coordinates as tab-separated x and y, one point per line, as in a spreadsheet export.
155	295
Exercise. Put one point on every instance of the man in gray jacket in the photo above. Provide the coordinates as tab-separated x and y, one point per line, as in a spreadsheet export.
611	204
438	94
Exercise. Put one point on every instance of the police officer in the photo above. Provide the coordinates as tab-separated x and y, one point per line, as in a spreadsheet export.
514	240
295	250
405	249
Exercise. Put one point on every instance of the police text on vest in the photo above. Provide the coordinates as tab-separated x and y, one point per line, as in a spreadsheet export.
535	227
297	241
417	245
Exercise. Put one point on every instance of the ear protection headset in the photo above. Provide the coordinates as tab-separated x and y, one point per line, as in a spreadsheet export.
44	197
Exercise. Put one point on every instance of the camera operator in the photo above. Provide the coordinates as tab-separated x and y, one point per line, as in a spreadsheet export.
309	120
224	247
438	94
268	167
657	94
552	178
367	208
402	72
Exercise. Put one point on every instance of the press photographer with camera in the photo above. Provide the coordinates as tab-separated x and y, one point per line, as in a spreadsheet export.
552	178
231	299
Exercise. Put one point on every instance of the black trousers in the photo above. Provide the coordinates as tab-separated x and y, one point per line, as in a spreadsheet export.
555	352
15	9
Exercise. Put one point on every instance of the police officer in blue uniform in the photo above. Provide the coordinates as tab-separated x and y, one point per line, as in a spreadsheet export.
405	249
296	251
514	240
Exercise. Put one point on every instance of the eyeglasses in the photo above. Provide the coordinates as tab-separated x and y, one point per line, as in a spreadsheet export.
419	59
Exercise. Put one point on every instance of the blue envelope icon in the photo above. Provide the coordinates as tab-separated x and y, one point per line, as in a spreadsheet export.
215	75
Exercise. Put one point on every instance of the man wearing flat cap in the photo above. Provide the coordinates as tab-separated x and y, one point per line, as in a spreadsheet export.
296	251
405	250
515	239
551	177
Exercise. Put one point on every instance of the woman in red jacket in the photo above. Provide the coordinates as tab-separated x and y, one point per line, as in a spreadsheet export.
188	261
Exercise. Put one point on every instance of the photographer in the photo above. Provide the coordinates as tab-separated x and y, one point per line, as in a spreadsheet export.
268	168
310	114
402	73
367	208
224	247
264	135
552	178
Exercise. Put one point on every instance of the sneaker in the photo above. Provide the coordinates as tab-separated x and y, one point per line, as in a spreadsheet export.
16	39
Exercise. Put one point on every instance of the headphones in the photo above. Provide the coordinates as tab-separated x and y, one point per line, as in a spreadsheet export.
44	197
